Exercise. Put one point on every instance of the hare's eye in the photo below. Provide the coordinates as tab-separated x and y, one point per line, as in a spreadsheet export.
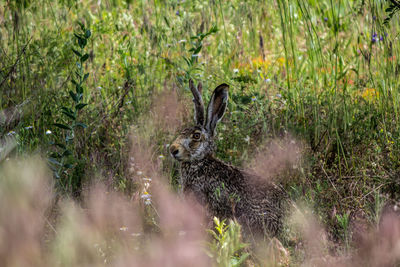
196	136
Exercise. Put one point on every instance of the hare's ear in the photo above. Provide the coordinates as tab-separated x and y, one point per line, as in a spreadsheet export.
216	107
198	103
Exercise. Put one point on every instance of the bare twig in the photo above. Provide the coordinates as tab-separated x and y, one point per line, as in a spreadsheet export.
127	86
16	62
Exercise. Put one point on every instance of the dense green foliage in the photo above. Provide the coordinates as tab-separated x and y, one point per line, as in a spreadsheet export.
324	71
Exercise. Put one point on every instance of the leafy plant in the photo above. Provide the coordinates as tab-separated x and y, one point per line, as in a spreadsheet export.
394	7
194	51
227	246
377	207
66	157
343	221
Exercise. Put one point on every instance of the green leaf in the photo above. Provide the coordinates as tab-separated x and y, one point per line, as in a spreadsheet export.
66	153
80	124
68	166
389	9
55	155
77	53
245	99
67	109
69	138
60	145
167	21
85	77
74	82
74	96
62	126
198	49
85	57
88	33
213	29
69	114
82	42
81	25
54	161
80	106
188	62
77	36
79	89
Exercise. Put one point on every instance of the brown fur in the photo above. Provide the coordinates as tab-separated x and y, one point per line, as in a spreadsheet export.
226	191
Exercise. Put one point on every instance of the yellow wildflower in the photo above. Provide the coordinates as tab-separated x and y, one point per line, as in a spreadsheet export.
370	94
281	61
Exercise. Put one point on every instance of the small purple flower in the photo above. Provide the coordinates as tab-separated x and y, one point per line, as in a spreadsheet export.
177	13
325	19
386	34
374	35
373	40
381	38
374	17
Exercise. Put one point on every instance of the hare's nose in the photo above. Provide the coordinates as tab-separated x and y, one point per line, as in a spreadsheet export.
173	150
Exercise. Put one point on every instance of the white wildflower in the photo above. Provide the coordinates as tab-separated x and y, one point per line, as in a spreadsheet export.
146	186
145	195
10	133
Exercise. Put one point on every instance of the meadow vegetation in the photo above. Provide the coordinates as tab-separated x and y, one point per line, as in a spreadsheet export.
93	92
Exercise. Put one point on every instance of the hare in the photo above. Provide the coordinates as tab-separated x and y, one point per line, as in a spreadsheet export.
226	191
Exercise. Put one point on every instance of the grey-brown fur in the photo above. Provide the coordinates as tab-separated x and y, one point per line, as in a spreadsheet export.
226	191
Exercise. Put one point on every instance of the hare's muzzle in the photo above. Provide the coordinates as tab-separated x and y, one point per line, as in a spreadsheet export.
174	150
